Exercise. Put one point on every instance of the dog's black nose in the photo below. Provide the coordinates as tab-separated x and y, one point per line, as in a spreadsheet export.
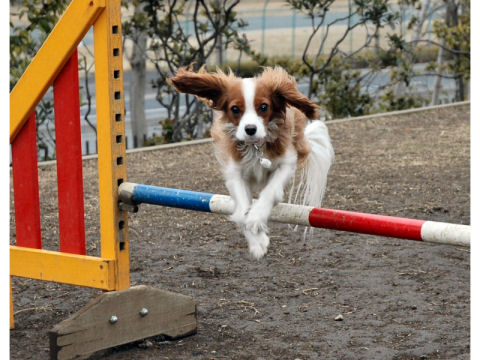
251	129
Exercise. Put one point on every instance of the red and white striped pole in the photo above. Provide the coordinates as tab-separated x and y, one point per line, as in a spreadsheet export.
420	230
389	226
403	228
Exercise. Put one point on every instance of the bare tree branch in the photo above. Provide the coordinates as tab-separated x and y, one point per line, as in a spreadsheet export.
453	51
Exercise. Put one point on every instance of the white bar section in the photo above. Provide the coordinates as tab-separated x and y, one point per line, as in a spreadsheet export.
283	213
222	204
291	214
128	187
444	233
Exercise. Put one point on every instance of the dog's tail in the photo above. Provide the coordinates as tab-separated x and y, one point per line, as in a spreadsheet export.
313	175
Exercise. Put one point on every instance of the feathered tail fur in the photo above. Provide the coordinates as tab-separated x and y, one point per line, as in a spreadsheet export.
313	175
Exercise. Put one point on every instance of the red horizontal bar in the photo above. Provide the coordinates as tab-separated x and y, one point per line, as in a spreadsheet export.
366	223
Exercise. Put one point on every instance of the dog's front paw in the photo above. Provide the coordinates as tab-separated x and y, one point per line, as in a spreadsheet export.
255	225
256	220
257	244
239	216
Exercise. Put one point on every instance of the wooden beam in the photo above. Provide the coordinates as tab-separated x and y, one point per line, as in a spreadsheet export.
120	317
66	268
50	59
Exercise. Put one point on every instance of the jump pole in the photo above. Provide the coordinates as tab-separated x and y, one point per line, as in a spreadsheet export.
131	194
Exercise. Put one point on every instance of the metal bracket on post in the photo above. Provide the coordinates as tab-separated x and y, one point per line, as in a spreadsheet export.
133	208
125	197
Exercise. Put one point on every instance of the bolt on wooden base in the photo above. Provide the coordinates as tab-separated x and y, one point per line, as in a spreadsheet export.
119	317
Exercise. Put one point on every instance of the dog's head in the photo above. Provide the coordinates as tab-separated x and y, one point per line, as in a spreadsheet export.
248	105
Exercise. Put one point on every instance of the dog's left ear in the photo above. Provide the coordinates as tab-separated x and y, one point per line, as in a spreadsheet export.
284	87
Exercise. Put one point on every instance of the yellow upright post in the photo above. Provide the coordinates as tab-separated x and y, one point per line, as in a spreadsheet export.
111	139
12	319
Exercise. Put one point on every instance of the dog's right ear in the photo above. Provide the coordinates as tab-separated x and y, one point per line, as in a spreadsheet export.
207	87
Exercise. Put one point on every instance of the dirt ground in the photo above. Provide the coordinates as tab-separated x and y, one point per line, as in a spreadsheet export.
399	299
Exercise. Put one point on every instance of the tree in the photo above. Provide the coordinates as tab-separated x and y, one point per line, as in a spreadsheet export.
339	86
135	30
170	46
452	42
344	91
329	70
417	21
454	33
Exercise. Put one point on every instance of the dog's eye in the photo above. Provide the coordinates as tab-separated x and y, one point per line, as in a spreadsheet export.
235	109
263	107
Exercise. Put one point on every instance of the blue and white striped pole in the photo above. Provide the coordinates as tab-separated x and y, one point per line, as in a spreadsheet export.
132	194
403	228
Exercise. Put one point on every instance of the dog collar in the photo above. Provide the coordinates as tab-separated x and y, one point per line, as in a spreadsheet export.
264	162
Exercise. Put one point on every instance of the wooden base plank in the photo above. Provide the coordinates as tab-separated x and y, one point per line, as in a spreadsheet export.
93	329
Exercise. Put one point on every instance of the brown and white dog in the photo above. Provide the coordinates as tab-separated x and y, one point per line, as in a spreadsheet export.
261	132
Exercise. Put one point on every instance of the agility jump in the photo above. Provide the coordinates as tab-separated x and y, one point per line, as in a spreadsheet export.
132	194
122	314
140	311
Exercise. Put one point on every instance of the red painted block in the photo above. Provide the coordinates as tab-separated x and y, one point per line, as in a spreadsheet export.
366	223
25	186
69	159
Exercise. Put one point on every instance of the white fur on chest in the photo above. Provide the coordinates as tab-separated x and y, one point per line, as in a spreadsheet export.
256	174
252	170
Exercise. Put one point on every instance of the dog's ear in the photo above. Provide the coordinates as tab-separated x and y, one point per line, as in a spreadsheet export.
284	87
207	87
